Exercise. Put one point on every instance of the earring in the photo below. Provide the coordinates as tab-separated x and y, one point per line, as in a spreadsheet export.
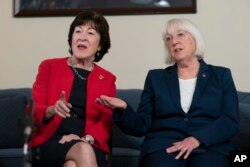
98	56
98	53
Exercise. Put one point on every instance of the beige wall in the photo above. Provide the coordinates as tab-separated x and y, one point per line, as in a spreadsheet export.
137	44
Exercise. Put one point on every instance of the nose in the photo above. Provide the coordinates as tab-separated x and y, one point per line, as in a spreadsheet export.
83	36
174	41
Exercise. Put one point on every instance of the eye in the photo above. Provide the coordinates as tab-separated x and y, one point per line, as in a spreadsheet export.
181	34
77	30
168	38
91	33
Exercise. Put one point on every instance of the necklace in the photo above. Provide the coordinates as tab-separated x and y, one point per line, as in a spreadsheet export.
75	71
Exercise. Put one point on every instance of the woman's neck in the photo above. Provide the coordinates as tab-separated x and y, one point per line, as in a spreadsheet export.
188	70
86	64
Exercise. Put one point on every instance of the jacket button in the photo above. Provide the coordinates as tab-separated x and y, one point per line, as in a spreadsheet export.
186	119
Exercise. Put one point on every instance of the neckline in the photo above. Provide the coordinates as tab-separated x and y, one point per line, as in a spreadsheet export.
190	79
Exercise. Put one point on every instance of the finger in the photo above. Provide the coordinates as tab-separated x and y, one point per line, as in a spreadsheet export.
77	137
62	97
106	101
187	153
99	100
68	105
62	140
69	140
182	151
172	149
176	143
67	114
58	112
73	136
104	97
63	108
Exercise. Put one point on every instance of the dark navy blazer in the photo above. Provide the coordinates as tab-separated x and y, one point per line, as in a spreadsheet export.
213	117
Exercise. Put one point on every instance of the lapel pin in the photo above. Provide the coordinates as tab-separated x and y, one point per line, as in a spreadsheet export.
203	75
101	77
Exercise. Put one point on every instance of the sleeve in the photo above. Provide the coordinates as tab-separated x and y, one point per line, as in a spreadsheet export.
227	124
137	123
102	128
39	90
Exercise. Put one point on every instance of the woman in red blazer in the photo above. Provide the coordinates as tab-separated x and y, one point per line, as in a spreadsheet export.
71	129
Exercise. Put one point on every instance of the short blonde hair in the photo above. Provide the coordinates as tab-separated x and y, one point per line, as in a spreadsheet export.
185	25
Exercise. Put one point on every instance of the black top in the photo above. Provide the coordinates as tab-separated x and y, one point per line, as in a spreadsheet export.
75	124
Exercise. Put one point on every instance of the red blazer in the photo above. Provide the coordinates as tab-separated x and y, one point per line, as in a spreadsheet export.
54	75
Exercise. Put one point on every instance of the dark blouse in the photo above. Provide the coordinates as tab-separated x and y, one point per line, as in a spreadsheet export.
75	124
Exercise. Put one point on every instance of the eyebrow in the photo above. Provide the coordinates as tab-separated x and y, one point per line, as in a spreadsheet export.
81	27
177	31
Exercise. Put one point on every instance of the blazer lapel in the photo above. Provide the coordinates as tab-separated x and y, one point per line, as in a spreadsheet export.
173	85
201	83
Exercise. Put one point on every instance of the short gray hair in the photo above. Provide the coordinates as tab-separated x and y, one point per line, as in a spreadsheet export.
185	25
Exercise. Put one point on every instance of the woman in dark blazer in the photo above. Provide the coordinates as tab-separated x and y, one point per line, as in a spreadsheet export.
188	111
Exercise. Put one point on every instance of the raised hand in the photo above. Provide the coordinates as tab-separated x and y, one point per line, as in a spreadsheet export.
184	147
61	108
112	102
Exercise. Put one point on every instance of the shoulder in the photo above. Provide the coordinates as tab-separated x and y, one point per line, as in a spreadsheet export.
212	68
219	73
101	71
219	70
156	73
54	61
168	69
54	64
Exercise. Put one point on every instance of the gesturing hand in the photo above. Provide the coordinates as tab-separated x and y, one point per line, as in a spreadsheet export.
112	102
184	147
61	108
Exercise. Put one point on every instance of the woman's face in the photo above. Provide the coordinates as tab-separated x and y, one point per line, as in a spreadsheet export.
85	42
181	45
